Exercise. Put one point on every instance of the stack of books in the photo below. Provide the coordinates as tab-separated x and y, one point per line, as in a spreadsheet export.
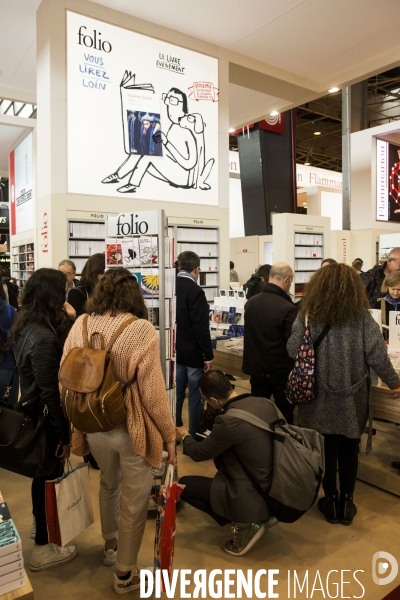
12	575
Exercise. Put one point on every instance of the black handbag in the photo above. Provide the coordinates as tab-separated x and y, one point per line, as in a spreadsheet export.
28	444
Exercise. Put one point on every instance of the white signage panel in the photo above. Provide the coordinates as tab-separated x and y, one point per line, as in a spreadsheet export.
394	330
21	186
134	223
142	116
308	176
382	199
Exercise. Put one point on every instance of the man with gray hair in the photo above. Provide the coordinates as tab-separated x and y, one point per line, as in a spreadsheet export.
268	320
374	278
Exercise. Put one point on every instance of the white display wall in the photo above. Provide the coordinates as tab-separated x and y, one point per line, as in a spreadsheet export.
142	110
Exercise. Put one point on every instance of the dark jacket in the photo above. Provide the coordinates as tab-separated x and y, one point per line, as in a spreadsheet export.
372	281
193	341
268	319
253	286
13	292
77	298
38	352
7	358
232	493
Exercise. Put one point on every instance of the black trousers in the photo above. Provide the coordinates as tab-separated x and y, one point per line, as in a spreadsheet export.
39	504
341	453
197	493
273	385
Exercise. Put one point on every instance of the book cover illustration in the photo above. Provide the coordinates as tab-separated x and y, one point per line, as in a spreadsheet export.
153	309
137	275
150	282
4	512
113	254
224	316
148	250
211	315
130	252
237	318
217	316
231	315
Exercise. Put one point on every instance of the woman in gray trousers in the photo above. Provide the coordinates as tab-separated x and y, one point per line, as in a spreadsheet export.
335	296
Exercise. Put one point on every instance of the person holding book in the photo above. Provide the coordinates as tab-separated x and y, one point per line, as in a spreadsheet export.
193	341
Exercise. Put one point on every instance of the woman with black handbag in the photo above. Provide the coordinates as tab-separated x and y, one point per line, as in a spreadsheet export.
39	334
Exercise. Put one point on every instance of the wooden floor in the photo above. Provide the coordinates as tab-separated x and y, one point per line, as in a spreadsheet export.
310	545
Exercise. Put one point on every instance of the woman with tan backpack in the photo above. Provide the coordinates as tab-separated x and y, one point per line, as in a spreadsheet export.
126	453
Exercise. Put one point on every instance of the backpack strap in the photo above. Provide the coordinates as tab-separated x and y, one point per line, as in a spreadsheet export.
321	336
119	331
85	331
243	415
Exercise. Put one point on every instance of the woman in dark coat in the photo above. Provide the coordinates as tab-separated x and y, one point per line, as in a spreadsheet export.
39	334
92	272
335	296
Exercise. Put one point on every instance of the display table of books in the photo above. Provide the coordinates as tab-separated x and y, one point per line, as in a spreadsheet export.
14	582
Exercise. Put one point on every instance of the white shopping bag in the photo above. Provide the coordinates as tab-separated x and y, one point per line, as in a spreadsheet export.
74	503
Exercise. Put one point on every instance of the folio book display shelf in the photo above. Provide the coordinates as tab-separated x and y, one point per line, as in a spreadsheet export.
23	261
203	239
140	243
85	238
302	242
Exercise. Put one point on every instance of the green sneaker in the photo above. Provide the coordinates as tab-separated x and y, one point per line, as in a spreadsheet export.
244	539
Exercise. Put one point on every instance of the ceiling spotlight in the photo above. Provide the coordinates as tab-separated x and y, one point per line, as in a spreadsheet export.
304	203
317	133
307	163
333	90
274	113
231	130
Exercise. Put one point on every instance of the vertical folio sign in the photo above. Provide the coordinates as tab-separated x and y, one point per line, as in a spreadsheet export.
142	116
382	197
21	186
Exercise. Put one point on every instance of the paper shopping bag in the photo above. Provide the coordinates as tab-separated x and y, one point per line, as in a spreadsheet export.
166	524
69	509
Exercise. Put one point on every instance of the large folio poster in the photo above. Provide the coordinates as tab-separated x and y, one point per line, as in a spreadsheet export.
142	116
22	202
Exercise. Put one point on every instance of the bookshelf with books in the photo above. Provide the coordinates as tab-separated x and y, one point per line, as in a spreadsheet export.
149	256
84	239
204	240
22	262
301	241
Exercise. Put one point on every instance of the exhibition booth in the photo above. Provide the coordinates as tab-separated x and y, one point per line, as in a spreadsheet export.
129	157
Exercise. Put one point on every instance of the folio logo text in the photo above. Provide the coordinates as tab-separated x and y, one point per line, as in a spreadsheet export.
380	566
93	41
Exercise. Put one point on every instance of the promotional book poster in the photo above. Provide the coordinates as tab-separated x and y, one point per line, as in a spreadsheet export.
21	186
388	181
142	116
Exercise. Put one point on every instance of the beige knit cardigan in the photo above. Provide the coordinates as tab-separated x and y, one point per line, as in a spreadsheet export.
136	360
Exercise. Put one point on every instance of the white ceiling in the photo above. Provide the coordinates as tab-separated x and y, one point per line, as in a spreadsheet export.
8	136
320	40
243	100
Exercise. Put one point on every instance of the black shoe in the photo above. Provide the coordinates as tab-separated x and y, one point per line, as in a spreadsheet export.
328	506
347	509
395	465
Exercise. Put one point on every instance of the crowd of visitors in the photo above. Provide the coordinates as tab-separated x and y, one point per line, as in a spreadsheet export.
105	309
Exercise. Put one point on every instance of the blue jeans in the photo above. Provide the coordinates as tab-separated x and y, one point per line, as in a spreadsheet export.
5	380
188	376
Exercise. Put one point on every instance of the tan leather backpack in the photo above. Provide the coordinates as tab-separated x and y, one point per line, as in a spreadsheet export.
91	396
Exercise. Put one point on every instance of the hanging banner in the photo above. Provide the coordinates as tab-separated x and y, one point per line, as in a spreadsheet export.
142	116
21	186
274	123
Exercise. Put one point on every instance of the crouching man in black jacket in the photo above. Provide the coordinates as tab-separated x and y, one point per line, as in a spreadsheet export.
230	495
